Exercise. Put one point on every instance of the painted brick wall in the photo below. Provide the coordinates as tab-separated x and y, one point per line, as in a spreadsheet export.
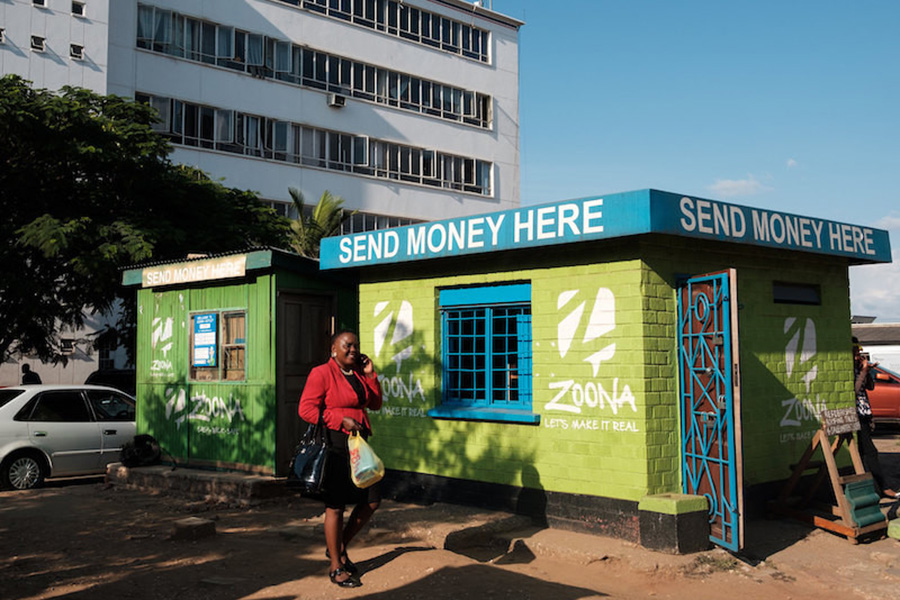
590	439
614	432
795	359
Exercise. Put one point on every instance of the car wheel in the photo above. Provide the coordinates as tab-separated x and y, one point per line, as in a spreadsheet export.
23	472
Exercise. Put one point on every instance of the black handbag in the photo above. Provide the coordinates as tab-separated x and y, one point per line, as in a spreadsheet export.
307	472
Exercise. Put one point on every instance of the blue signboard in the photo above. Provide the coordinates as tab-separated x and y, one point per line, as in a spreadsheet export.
697	217
205	340
603	217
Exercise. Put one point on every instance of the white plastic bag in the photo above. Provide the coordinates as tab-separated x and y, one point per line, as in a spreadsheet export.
365	467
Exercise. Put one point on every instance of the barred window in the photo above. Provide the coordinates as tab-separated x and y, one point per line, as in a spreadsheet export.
486	352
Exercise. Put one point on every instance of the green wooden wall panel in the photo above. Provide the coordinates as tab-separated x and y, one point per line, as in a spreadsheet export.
227	422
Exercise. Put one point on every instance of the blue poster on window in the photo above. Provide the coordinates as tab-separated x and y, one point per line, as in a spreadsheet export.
204	340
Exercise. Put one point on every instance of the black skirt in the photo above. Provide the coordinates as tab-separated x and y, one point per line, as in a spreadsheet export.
339	488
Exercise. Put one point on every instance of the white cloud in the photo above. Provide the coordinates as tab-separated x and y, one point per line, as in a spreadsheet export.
875	290
727	188
791	163
889	222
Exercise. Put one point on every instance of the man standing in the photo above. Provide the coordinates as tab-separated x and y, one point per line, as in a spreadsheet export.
29	376
864	380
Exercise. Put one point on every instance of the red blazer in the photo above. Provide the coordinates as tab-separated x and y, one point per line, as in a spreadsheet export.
327	388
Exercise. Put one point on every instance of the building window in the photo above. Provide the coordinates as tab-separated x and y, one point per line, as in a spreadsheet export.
178	35
106	348
40	3
2	38
796	293
76	51
77	8
253	135
38	44
486	353
414	24
218	346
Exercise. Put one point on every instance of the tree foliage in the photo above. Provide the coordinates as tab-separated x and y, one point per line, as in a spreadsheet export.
86	188
325	219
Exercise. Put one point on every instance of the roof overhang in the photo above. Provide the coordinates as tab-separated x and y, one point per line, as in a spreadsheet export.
606	217
215	268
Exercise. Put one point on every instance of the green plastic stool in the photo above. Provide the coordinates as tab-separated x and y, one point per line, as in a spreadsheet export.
864	502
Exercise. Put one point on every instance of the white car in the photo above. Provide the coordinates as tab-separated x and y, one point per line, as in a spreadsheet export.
60	430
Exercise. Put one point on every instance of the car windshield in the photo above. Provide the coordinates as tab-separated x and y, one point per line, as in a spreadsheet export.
7	395
879	368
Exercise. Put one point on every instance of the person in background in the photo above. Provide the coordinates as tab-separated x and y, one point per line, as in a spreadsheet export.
864	380
29	377
341	390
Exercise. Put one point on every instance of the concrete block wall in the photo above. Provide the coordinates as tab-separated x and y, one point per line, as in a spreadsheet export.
794	359
613	433
592	438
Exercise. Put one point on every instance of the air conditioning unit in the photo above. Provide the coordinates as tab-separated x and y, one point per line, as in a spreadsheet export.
336	100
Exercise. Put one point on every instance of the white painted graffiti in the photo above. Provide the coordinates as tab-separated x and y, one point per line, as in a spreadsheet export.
200	407
403	411
205	429
601	322
591	424
403	328
575	397
799	358
800	352
160	342
398	388
162	331
572	396
797	436
160	368
399	325
797	411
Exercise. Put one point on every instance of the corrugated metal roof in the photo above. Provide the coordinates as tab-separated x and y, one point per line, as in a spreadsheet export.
883	334
196	257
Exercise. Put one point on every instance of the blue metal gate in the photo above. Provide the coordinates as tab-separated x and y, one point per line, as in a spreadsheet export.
710	463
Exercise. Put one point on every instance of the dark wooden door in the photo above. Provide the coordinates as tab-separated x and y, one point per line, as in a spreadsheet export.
305	324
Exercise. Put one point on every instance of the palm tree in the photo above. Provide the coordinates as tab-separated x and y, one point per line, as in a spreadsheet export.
307	230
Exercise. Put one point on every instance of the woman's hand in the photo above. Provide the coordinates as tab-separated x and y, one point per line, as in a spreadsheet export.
367	367
350	424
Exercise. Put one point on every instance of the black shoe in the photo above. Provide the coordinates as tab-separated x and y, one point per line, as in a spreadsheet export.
350	582
348	566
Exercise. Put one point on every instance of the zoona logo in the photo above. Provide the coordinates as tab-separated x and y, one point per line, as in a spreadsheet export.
601	321
573	396
400	328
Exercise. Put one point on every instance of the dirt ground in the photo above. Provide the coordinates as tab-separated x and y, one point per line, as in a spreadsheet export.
88	539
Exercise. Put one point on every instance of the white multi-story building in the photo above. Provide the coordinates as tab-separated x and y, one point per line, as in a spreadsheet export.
408	109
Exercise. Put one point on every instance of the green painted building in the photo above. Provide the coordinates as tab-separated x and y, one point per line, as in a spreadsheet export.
224	347
593	360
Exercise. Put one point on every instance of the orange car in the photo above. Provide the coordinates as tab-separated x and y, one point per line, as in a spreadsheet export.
885	398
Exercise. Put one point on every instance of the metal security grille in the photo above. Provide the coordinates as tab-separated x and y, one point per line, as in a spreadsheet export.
487	356
708	419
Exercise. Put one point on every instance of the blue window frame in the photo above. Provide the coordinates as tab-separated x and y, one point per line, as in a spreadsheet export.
486	353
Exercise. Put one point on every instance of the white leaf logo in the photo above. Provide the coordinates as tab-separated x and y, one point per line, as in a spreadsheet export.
602	320
402	329
800	351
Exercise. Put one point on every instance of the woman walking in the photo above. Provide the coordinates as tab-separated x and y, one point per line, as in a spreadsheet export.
341	390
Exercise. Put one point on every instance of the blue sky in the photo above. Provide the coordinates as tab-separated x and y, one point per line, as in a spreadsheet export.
790	105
